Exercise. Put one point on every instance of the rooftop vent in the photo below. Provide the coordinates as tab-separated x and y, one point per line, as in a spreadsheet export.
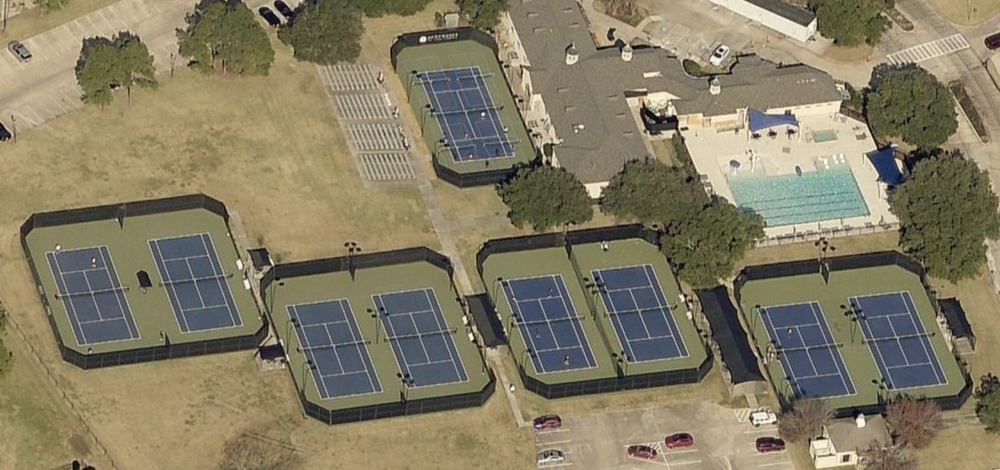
627	53
861	421
572	55
714	87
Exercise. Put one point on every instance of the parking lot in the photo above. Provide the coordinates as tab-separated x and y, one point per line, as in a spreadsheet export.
723	439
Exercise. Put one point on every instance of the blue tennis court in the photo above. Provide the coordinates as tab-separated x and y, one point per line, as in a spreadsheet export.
549	324
329	337
897	340
422	342
465	110
196	283
809	355
94	297
640	313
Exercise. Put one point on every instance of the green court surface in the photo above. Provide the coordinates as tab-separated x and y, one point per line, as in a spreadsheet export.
599	328
833	298
129	249
329	286
460	54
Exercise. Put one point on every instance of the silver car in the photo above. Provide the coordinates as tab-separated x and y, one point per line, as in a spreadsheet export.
550	456
22	53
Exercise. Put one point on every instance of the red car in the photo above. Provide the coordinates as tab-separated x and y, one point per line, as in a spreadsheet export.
542	423
681	439
770	444
642	452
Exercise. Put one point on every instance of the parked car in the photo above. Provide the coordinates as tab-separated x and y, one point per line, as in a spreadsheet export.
719	56
642	452
22	53
269	16
762	417
542	423
550	456
4	133
992	41
770	444
285	11
681	439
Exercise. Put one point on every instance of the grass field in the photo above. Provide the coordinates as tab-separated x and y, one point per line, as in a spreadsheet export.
958	12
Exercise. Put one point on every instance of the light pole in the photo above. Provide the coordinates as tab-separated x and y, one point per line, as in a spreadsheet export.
289	326
13	127
274	287
305	377
352	249
851	312
407	382
594	288
414	77
374	316
424	112
880	390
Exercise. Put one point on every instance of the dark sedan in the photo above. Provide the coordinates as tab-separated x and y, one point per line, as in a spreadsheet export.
285	11
269	16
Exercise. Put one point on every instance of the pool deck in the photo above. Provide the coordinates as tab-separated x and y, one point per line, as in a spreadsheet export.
713	151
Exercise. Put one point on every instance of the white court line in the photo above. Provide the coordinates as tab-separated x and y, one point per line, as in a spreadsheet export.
929	50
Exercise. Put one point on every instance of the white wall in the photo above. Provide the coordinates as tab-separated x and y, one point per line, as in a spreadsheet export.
771	20
815	109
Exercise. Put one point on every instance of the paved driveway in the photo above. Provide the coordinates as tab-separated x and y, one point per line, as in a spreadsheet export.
46	88
723	439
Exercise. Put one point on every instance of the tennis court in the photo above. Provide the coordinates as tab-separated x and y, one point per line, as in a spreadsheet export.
469	118
640	313
549	323
196	283
336	353
94	297
899	344
809	355
421	340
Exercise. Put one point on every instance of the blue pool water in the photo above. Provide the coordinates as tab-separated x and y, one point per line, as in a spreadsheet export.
792	199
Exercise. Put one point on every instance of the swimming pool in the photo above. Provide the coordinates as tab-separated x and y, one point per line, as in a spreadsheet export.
814	196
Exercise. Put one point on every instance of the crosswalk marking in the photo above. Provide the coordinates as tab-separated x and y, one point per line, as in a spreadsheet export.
929	50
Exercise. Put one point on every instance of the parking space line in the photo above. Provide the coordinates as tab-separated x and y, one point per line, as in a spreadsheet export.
542	444
679	452
761	430
775	464
685	462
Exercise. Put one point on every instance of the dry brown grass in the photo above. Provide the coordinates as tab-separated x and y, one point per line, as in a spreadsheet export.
849	54
957	11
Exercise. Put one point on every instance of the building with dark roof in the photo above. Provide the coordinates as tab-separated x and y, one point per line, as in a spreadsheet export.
784	18
588	98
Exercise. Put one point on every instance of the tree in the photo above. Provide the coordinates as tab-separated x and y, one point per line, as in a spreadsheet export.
483	14
914	423
49	6
804	421
947	211
224	36
325	32
988	403
245	452
910	103
876	457
706	246
106	64
850	22
98	70
377	8
546	197
651	191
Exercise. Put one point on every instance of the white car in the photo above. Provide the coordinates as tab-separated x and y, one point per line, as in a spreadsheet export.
762	417
551	456
719	56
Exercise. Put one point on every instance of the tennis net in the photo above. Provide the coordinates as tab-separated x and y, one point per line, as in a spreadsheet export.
548	321
444	77
467	111
92	293
900	337
781	350
349	344
196	279
423	334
